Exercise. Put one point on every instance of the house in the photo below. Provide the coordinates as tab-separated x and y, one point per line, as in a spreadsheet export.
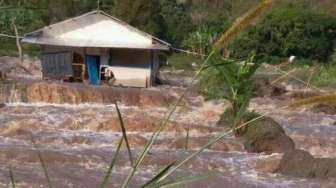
98	48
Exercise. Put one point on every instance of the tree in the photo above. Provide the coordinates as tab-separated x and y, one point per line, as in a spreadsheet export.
177	21
289	31
144	14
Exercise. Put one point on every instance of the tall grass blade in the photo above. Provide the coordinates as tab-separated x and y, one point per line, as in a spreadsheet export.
241	23
163	123
185	181
11	176
187	139
112	164
44	166
123	129
154	180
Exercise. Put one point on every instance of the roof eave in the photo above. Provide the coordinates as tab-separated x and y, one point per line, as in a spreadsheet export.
154	47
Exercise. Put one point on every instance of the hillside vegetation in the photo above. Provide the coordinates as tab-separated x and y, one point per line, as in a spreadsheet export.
188	24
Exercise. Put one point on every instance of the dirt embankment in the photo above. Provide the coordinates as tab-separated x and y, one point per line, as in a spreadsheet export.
12	67
61	93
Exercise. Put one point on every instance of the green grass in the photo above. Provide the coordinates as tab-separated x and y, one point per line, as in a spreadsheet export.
8	48
179	61
316	73
320	75
326	76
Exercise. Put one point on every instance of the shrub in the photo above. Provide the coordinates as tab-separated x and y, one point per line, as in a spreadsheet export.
326	76
333	57
201	40
231	80
289	31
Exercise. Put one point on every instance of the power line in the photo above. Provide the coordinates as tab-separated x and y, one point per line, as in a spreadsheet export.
188	52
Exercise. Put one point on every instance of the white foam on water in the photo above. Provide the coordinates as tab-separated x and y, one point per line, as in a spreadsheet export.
67	105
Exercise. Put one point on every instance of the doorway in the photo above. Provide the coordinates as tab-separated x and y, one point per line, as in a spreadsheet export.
93	64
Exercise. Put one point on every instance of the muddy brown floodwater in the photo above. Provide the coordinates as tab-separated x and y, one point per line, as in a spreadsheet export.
77	143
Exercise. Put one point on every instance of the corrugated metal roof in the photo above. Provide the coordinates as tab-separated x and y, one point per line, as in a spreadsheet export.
95	29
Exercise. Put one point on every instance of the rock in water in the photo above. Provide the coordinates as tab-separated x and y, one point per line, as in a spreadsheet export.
297	163
264	88
325	108
324	168
266	135
2	105
262	135
300	163
226	118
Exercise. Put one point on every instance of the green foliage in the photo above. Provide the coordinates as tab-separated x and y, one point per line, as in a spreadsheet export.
180	61
212	13
177	21
232	80
201	40
326	76
144	14
209	19
25	19
333	57
293	30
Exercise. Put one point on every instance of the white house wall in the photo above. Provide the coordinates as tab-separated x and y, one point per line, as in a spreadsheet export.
132	67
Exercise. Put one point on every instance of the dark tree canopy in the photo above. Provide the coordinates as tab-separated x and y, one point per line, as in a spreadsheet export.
289	31
144	14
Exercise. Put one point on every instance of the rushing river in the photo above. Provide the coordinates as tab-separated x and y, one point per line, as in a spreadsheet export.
77	143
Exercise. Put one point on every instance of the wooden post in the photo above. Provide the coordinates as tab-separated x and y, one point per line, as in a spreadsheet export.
18	44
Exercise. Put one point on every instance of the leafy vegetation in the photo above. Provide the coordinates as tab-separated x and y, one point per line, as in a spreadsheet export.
325	76
231	80
144	14
180	61
288	31
177	21
295	29
201	40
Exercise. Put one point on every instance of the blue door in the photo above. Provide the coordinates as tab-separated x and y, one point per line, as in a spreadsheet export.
93	64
